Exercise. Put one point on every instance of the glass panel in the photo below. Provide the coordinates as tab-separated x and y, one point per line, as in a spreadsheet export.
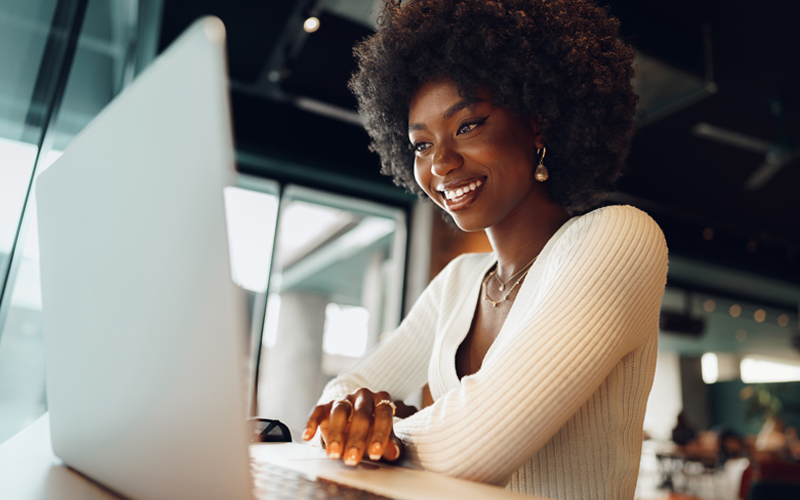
100	67
96	75
24	28
336	286
252	216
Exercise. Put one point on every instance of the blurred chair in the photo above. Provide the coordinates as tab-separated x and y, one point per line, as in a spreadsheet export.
783	472
780	475
768	490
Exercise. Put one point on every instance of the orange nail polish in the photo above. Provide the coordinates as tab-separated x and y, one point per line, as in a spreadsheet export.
375	451
351	458
334	451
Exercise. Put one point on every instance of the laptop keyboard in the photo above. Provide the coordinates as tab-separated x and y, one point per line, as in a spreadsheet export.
275	483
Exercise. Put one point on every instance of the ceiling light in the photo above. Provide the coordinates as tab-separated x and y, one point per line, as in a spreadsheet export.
763	370
760	315
709	306
735	310
710	367
783	320
311	24
741	336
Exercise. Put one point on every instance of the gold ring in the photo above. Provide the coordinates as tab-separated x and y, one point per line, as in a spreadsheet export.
352	408
387	402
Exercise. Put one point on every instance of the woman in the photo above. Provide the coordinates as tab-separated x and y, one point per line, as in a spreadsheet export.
511	116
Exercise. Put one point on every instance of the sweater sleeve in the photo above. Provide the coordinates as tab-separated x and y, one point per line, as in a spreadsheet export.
598	299
398	365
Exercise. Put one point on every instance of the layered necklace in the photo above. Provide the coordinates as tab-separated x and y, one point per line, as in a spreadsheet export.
519	276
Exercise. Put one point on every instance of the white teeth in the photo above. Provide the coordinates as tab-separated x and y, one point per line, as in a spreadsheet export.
452	195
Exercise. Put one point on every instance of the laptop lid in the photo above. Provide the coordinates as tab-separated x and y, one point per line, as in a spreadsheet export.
144	330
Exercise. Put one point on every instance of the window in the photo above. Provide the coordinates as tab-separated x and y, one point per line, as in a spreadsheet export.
334	276
40	71
336	285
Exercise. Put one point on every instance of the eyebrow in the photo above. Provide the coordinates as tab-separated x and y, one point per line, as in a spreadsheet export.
451	111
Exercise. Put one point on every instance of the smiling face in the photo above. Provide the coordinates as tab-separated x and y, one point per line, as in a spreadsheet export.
473	159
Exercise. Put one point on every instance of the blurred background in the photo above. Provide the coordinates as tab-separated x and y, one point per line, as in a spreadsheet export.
332	254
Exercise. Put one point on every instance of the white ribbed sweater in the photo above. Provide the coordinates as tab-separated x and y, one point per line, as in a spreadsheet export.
557	407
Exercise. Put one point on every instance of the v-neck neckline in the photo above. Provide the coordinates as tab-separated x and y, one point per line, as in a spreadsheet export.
461	322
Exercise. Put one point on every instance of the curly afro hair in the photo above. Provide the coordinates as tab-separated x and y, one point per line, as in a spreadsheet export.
560	61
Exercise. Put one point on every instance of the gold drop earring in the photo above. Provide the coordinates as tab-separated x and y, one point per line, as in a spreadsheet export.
541	174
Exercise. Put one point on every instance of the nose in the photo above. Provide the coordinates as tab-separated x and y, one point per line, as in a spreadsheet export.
445	160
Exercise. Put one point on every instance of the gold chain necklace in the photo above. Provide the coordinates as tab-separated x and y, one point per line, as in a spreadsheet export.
495	303
524	268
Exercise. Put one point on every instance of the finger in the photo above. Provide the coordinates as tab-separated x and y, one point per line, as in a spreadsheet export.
337	427
394	449
318	414
323	430
360	426
381	426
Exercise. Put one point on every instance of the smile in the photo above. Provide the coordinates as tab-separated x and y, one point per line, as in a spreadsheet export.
462	196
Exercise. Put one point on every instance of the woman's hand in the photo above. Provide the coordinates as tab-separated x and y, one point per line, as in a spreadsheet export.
361	422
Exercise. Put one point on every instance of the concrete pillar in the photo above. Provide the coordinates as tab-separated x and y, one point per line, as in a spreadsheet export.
292	368
372	297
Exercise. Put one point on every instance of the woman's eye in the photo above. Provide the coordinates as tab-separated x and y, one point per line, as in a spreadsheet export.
466	127
421	146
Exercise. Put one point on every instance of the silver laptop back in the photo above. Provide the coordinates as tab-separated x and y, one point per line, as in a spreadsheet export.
144	329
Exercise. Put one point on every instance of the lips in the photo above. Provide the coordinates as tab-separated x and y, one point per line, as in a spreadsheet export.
461	194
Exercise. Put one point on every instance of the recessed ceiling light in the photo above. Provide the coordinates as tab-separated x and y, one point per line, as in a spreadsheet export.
311	24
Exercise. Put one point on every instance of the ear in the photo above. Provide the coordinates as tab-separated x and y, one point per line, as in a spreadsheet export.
538	136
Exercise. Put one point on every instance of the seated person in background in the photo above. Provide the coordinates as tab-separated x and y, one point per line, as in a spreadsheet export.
684	432
794	443
540	355
771	437
731	445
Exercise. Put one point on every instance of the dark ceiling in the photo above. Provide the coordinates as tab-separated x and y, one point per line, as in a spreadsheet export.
689	184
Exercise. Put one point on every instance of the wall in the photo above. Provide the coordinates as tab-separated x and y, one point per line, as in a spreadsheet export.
665	402
695	393
728	409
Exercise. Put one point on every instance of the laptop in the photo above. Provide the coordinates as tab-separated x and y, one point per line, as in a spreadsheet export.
144	329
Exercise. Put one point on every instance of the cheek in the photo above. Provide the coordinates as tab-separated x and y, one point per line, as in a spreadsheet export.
422	174
519	159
